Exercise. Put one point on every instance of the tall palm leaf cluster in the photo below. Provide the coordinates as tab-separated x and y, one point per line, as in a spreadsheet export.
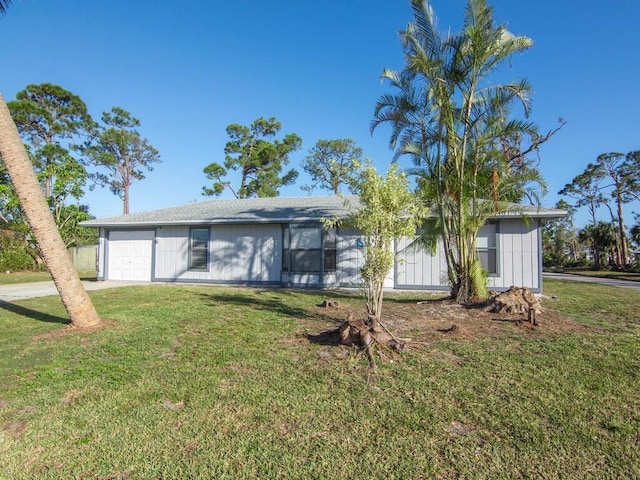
448	113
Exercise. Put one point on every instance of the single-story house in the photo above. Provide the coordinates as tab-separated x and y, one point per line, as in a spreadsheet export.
281	241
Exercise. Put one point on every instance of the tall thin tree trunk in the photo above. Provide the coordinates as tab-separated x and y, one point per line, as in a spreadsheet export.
624	246
77	303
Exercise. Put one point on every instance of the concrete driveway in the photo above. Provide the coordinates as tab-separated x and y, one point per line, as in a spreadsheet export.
9	293
602	281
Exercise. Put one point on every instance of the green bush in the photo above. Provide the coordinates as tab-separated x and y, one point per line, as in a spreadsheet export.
15	260
17	254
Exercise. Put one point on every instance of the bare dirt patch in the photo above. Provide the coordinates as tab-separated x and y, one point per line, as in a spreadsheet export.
67	330
439	318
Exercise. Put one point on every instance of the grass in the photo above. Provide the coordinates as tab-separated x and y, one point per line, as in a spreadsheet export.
631	276
14	278
203	382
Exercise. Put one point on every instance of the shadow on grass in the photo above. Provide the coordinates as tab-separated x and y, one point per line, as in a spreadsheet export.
256	302
329	338
33	314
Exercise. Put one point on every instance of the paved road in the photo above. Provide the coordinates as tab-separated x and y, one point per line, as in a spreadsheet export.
19	291
603	281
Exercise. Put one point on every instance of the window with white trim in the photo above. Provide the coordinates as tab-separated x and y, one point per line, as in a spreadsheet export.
199	249
487	248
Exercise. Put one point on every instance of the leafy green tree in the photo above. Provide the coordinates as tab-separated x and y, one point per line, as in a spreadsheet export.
387	212
120	150
614	175
635	231
632	165
10	210
68	219
4	4
258	156
560	244
586	190
47	116
601	239
331	165
469	153
623	176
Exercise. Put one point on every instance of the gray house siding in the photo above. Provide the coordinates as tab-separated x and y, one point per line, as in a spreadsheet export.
518	250
517	255
243	241
252	254
237	254
416	268
349	258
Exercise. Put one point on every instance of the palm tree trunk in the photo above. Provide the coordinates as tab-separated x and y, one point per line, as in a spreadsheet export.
77	303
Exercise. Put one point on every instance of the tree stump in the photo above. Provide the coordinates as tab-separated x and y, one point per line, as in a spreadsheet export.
367	334
515	300
329	304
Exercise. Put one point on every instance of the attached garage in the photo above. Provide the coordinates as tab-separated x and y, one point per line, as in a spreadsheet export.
129	254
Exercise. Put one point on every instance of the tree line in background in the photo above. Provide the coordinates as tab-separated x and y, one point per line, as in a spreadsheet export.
608	184
69	152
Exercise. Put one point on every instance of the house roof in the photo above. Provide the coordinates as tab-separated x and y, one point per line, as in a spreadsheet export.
269	210
247	210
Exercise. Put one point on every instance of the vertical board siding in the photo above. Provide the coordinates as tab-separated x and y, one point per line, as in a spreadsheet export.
172	252
237	253
246	253
253	253
518	254
349	257
518	265
416	267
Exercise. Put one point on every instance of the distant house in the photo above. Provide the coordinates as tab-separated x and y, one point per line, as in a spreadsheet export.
281	241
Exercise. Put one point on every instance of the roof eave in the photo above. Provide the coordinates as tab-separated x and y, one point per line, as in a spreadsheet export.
225	221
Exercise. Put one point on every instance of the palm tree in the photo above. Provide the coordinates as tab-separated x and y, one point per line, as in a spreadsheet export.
457	128
4	4
601	240
77	303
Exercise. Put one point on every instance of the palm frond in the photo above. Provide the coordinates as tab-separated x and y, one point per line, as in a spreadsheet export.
4	5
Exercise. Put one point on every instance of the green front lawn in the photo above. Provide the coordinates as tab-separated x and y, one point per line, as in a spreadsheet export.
206	382
14	278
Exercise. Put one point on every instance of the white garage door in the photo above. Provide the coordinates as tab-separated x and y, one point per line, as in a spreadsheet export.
129	255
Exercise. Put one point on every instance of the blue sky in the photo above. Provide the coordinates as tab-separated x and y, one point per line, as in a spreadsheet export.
188	69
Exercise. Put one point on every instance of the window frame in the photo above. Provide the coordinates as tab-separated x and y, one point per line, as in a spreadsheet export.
204	246
327	243
489	248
